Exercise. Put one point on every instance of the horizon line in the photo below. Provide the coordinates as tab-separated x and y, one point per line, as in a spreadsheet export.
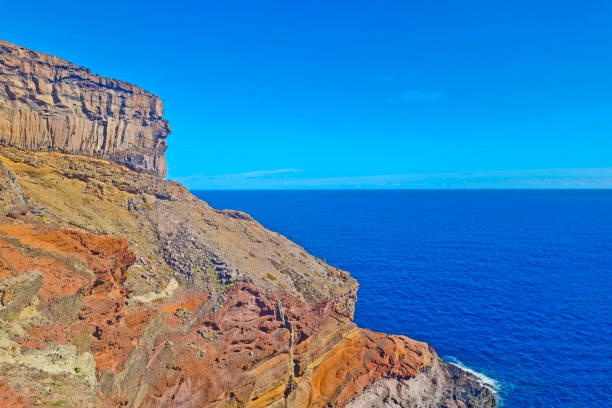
411	189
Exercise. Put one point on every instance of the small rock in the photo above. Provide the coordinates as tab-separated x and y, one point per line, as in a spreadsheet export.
16	212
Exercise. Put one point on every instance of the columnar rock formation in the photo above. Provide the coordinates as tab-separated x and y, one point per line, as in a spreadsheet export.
118	289
47	103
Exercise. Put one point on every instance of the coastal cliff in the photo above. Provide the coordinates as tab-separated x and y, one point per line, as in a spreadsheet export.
47	103
119	288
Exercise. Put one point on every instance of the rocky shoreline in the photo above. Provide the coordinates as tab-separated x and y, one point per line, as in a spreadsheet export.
120	288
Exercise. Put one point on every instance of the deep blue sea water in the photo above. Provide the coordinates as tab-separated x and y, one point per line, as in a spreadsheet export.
516	284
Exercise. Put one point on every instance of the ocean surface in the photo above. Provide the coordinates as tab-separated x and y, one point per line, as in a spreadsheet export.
514	284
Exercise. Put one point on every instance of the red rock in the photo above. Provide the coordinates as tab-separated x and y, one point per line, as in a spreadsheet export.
39	337
10	398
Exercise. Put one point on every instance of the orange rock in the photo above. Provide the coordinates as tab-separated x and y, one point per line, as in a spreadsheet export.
362	358
256	348
103	303
137	321
38	337
58	280
186	299
10	398
241	355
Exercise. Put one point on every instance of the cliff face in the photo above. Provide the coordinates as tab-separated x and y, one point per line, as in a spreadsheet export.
47	103
121	289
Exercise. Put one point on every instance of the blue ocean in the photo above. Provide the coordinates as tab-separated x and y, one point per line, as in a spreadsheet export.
514	284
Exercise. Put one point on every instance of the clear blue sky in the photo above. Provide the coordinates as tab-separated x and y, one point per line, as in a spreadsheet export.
298	94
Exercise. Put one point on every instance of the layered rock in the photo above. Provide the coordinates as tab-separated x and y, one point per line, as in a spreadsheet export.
47	103
189	306
121	289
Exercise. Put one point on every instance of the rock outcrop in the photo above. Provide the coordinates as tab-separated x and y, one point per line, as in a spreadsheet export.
119	289
47	103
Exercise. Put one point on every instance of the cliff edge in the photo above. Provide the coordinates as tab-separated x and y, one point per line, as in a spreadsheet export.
47	103
121	289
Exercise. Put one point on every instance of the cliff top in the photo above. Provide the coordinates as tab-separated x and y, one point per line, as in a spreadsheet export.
50	104
9	50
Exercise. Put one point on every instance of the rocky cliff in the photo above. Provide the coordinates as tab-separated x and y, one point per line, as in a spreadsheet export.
47	103
119	289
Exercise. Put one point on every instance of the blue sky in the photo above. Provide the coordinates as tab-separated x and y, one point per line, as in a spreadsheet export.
356	94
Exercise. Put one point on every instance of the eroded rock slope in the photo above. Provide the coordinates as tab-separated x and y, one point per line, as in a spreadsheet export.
119	289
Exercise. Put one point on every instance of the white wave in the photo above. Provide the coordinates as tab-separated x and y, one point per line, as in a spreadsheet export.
481	377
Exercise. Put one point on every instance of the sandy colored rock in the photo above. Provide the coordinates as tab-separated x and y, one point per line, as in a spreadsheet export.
47	103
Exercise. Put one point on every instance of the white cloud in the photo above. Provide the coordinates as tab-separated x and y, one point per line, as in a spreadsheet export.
235	180
536	178
260	173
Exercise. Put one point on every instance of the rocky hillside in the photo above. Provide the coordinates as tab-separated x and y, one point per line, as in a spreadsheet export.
120	289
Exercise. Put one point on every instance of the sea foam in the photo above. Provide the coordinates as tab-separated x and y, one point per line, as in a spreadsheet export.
484	379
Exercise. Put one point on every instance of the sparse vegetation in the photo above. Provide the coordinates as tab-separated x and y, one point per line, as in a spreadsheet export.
271	277
215	279
212	273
